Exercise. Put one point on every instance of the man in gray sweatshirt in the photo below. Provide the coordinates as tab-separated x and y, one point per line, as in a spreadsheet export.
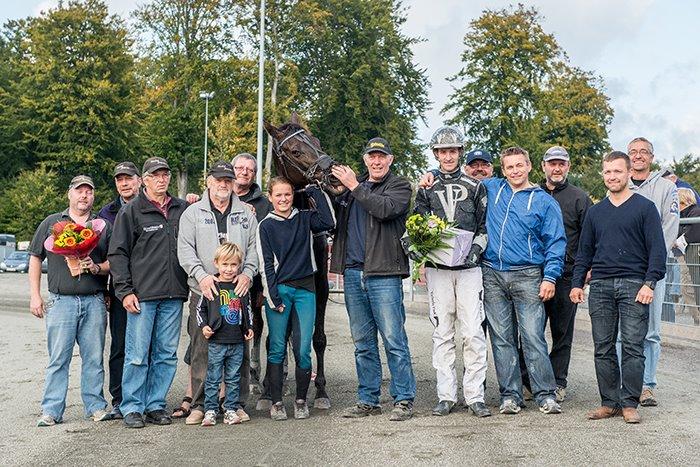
664	194
218	217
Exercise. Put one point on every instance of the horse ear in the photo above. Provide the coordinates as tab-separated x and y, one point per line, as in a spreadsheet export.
273	131
294	118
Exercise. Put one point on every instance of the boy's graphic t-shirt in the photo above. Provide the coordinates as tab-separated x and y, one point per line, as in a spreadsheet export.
228	315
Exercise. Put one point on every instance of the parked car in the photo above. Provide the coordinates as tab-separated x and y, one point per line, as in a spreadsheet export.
17	261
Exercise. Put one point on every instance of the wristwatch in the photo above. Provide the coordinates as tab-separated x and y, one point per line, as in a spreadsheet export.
650	284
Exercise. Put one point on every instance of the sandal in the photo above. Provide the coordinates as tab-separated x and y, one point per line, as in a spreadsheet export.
183	412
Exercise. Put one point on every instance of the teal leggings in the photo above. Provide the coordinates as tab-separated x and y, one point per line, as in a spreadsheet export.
300	308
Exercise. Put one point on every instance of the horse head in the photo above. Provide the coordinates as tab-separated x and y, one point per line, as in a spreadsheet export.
299	157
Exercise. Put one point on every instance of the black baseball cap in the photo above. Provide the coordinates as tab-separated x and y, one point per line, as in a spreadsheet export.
479	154
81	180
221	169
378	144
125	168
154	163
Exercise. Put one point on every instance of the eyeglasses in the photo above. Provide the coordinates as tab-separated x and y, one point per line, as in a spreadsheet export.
243	169
641	152
161	175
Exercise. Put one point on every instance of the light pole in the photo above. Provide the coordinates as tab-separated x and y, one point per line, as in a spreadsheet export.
206	96
261	91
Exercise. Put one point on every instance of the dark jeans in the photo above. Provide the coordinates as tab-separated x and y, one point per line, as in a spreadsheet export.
561	315
612	301
117	331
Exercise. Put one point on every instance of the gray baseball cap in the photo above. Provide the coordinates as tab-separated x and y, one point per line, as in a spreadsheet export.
556	153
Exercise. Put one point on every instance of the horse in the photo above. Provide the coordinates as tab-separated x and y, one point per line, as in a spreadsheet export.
299	158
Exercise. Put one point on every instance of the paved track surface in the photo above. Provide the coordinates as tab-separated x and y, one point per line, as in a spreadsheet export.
668	435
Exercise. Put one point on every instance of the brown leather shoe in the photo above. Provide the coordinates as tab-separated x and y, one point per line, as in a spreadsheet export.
603	412
631	415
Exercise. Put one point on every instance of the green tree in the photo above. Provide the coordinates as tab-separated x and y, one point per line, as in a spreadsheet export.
357	79
14	156
516	87
506	61
74	90
185	45
688	168
28	199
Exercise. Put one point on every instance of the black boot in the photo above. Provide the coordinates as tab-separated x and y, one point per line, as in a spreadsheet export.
303	378
274	378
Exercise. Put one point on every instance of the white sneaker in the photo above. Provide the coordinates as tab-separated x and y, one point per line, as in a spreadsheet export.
243	415
301	409
560	393
46	420
550	406
509	407
231	418
100	416
209	418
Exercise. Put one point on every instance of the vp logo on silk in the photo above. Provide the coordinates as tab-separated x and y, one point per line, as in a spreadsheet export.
450	196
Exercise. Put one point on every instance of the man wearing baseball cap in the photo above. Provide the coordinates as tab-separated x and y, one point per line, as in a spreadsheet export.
371	219
152	287
127	181
218	217
560	310
479	164
75	311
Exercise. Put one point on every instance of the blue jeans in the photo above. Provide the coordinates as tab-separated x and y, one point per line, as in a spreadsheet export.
506	292
150	355
612	304
652	340
71	319
227	358
374	304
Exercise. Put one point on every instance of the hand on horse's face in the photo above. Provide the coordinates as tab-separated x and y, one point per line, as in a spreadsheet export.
345	175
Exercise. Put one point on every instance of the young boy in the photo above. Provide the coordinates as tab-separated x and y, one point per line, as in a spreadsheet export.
226	322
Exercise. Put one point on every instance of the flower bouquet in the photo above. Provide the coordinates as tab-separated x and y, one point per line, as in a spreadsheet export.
426	233
74	241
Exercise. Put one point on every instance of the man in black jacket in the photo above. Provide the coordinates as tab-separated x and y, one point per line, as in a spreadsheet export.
367	250
127	180
560	310
152	286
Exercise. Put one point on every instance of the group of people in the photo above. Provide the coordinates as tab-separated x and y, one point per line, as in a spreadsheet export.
234	251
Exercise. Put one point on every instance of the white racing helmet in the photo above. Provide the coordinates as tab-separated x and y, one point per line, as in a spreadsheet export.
448	137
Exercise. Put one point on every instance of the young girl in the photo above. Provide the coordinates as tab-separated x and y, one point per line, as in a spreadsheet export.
287	267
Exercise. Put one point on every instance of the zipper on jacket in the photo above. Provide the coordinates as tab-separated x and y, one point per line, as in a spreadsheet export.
503	228
529	245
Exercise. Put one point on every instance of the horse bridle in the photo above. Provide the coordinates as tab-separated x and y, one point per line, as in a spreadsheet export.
323	160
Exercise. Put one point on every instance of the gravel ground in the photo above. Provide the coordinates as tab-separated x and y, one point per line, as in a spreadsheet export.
668	435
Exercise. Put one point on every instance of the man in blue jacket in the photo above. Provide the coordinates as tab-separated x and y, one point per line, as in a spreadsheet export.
523	259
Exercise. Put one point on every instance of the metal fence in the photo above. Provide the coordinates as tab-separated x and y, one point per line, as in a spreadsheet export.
682	294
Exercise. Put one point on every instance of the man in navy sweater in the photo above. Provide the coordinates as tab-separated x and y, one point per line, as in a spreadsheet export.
622	243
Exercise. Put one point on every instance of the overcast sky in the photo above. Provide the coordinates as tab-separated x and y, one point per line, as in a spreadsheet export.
646	51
